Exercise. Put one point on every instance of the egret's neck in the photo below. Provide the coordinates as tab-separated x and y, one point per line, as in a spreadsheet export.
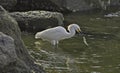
71	32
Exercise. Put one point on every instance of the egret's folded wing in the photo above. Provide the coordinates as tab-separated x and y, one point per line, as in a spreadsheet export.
54	33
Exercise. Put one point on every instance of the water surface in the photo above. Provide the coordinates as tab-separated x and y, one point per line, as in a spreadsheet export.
73	56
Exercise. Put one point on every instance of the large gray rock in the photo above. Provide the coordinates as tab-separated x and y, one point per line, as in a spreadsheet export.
7	50
8	57
33	21
22	61
8	4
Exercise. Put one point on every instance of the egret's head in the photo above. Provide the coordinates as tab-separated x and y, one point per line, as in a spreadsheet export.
76	27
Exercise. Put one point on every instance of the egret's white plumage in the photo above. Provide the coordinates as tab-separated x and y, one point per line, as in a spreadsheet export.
54	35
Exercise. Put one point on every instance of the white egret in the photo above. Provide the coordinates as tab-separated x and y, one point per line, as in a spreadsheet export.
54	35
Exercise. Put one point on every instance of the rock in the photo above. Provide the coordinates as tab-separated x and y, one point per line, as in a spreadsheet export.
84	5
21	62
73	5
114	2
8	56
28	5
116	14
57	5
111	15
7	50
33	21
8	4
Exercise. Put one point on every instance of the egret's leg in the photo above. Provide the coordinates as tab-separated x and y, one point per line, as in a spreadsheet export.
57	42
53	42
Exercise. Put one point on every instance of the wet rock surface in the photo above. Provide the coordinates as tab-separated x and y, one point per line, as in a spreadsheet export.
116	14
12	48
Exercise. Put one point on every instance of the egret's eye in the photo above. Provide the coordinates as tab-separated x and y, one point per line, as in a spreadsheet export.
78	30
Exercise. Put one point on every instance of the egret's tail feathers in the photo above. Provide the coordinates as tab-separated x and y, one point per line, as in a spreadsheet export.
36	36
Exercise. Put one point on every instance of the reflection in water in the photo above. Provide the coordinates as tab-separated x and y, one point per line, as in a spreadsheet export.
73	56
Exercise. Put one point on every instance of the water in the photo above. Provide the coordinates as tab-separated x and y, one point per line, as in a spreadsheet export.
73	56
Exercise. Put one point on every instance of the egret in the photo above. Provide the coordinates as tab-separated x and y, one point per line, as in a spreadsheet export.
55	34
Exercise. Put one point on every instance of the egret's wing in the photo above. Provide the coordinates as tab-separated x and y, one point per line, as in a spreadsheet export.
53	33
54	30
60	29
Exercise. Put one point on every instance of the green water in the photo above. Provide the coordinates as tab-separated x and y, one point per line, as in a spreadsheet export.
73	56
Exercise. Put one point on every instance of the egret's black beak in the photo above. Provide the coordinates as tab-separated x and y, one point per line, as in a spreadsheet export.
81	33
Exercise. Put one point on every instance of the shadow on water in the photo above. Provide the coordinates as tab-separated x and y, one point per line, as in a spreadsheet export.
73	56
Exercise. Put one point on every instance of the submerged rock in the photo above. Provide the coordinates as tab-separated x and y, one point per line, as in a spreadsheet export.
12	49
116	14
33	21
